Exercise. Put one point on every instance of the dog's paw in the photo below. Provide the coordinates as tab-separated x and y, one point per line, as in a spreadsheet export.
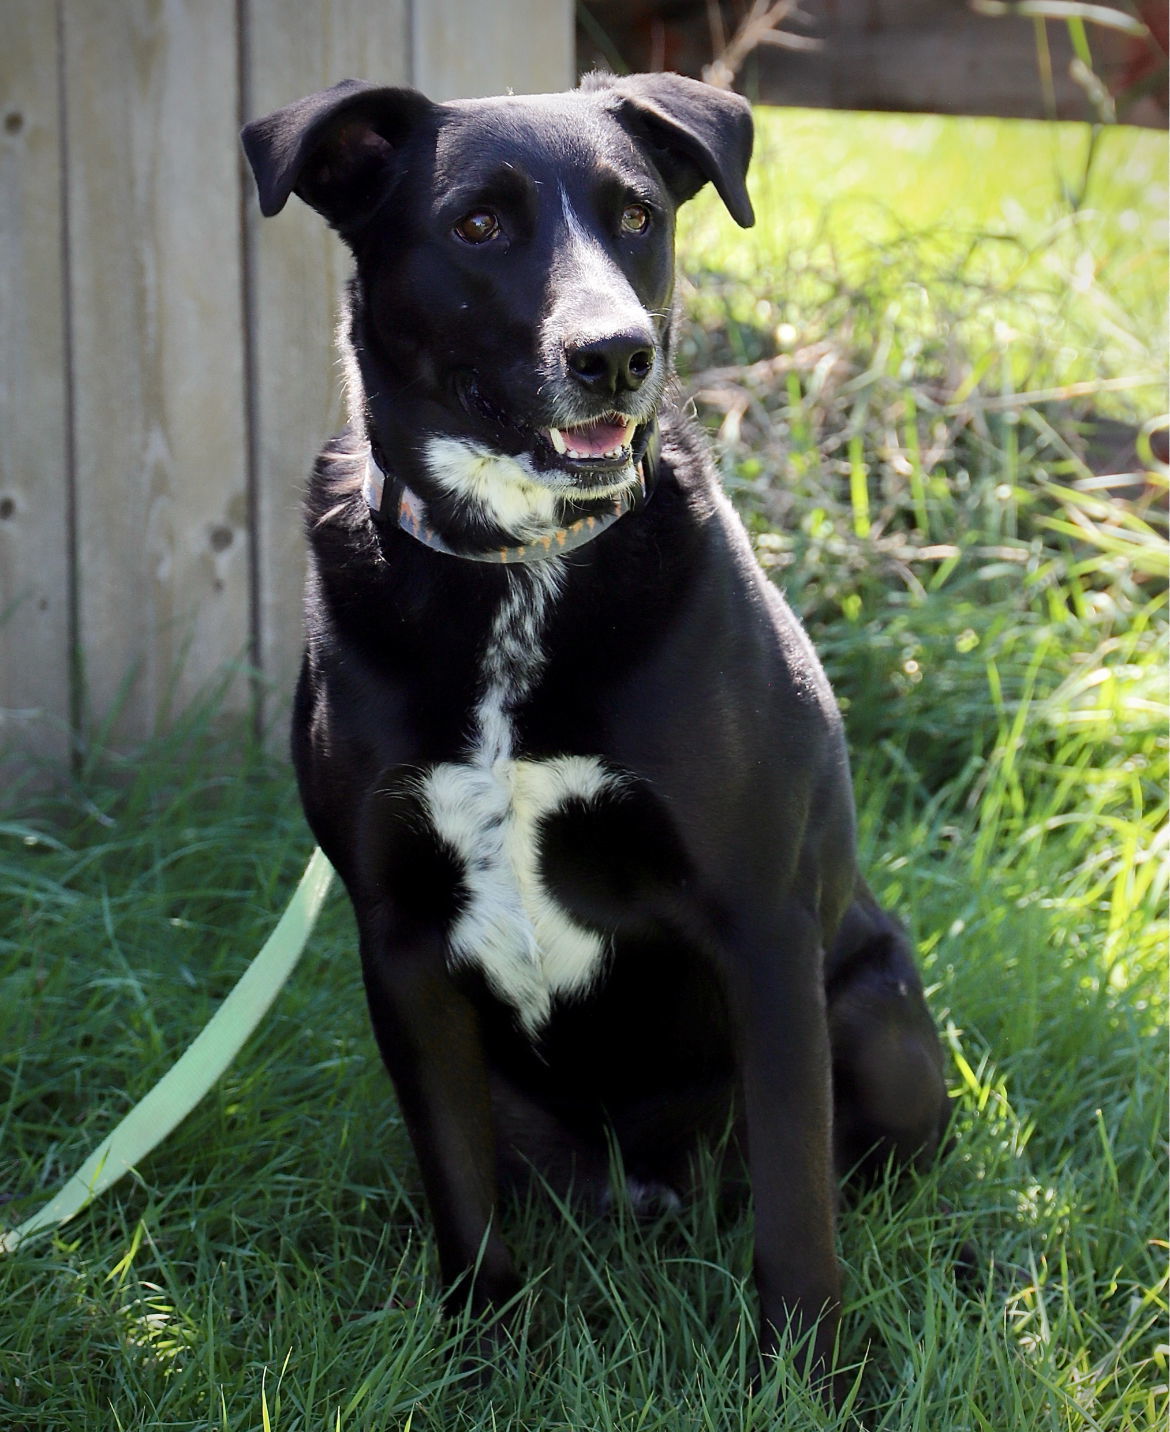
646	1198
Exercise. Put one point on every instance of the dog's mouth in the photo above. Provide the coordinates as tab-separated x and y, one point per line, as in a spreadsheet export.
594	456
607	441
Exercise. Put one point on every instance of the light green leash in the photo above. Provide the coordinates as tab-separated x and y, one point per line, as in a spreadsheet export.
197	1069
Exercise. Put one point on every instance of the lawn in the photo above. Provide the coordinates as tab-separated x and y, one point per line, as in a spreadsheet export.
919	369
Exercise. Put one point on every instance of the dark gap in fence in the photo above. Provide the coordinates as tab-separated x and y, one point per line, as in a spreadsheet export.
248	319
76	670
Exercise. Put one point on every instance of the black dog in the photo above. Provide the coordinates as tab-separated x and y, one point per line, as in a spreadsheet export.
572	755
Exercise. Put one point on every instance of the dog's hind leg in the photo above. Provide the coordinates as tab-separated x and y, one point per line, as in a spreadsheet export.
890	1098
536	1147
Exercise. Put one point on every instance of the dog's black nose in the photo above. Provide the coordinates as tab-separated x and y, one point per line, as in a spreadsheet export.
618	363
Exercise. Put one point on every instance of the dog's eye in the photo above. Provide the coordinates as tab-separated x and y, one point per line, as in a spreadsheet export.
478	227
635	219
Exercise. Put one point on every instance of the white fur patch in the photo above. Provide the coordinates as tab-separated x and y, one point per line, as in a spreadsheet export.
526	944
508	490
504	489
592	268
489	809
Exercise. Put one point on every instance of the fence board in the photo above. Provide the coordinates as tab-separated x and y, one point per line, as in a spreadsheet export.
162	560
34	480
296	269
166	372
462	48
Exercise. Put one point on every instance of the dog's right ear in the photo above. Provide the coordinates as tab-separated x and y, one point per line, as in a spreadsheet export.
335	149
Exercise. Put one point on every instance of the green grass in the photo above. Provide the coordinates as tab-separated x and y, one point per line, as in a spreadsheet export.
996	624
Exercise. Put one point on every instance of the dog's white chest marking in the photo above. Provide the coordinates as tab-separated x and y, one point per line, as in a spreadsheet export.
489	810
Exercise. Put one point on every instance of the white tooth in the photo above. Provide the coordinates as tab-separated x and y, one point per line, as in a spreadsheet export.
627	438
557	440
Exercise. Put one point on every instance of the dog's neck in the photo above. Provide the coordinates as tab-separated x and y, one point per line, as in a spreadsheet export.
390	499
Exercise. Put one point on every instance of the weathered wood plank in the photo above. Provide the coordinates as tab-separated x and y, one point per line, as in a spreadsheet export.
296	268
464	48
34	477
162	556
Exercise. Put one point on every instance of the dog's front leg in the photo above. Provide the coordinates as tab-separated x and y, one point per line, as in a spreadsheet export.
429	1037
785	1072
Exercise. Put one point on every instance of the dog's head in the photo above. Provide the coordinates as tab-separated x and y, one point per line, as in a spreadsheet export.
515	256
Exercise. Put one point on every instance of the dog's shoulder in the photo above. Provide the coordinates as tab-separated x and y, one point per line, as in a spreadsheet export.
333	498
721	548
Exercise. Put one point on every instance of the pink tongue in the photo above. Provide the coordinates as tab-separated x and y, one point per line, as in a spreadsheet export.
594	438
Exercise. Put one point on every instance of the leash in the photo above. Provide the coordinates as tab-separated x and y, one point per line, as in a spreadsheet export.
197	1069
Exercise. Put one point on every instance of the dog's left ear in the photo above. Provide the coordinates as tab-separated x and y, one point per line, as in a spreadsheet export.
695	132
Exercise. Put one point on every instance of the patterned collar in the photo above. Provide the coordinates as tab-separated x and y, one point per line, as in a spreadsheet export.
412	517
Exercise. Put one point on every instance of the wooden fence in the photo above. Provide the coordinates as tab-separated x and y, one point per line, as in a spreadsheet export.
166	370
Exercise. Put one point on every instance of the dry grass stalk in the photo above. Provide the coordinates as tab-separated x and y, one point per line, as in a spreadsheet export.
760	26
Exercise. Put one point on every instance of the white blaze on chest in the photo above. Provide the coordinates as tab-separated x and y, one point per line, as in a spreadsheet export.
489	808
